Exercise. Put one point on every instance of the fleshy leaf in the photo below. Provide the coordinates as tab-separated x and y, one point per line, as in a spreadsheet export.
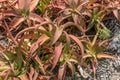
16	22
87	56
116	14
23	4
71	66
103	55
35	17
58	33
57	53
94	66
62	72
67	38
31	73
39	42
33	4
78	42
40	64
2	0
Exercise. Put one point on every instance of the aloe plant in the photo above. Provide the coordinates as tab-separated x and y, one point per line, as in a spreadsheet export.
42	42
94	50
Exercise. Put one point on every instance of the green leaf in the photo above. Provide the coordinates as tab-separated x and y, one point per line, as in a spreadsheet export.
104	33
66	49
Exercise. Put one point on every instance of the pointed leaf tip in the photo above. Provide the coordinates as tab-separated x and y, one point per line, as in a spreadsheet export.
57	53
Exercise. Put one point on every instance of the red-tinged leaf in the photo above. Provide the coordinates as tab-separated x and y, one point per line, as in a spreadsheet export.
1	17
73	60
58	33
116	14
103	55
2	47
39	42
9	13
66	1
2	1
83	3
60	19
23	4
92	1
75	18
72	24
62	72
24	77
67	38
47	65
33	4
35	17
78	42
87	13
42	28
94	66
16	22
87	56
42	39
57	53
71	66
35	75
25	30
45	78
40	64
29	22
31	72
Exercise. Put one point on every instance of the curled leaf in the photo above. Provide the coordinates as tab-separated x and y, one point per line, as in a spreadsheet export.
33	4
67	38
39	42
78	42
35	17
40	64
103	55
16	22
57	53
94	66
62	72
116	14
71	66
2	1
23	4
83	72
58	33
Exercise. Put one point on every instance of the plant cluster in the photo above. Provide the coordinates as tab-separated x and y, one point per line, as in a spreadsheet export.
47	37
